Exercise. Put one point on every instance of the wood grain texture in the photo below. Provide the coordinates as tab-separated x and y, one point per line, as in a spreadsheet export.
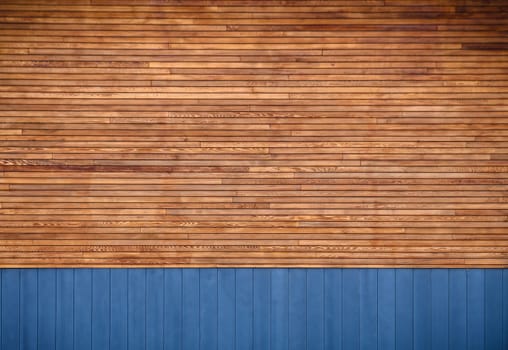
253	133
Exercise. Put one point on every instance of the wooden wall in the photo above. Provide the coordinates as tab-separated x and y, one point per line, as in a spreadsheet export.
259	133
278	309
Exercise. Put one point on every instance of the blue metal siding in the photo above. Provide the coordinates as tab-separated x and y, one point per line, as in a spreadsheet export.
254	309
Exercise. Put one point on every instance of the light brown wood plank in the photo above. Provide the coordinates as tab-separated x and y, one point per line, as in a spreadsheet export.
259	133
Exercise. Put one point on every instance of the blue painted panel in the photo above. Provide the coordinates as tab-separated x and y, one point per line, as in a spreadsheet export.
208	309
226	309
155	309
404	309
505	309
422	309
476	309
457	310
351	309
386	309
244	309
190	309
315	309
100	309
28	310
173	309
368	309
440	307
64	309
10	309
279	329
297	309
118	310
333	309
261	317
254	309
493	311
136	308
82	309
46	309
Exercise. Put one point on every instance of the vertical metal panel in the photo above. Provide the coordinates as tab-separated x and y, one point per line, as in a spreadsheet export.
368	309
100	309
64	308
333	309
440	307
10	309
262	306
208	309
226	309
244	309
190	309
279	330
28	310
136	307
422	308
351	309
118	309
458	309
154	309
297	309
404	308
386	309
476	309
254	309
46	309
82	309
505	308
173	308
315	307
493	311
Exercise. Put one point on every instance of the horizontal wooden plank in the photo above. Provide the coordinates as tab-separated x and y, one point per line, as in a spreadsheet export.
253	133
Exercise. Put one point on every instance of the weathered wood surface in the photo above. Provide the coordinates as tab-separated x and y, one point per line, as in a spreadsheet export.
253	133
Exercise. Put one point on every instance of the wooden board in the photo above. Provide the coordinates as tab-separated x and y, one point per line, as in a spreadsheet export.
253	133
